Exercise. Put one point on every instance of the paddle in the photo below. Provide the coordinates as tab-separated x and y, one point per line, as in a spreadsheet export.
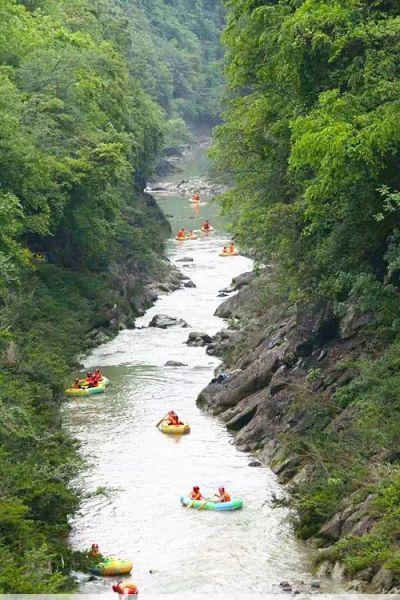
202	505
159	422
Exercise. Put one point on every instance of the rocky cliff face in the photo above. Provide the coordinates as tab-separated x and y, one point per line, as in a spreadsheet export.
282	366
135	280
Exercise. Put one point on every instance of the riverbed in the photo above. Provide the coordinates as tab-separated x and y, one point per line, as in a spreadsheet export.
143	473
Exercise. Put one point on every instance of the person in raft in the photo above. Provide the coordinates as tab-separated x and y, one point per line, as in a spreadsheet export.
196	197
91	380
98	375
222	495
231	247
206	225
173	418
225	250
77	385
181	233
94	552
196	494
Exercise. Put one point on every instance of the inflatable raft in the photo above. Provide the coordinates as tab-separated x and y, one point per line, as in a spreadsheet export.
210	230
174	429
181	239
100	389
112	567
235	253
209	505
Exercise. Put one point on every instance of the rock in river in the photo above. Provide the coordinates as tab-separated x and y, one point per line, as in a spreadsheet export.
185	259
197	338
175	363
164	321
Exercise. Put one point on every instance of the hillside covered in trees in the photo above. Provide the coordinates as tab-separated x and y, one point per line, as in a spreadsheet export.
90	93
311	141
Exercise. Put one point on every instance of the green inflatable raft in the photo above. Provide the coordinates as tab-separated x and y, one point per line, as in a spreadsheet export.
209	505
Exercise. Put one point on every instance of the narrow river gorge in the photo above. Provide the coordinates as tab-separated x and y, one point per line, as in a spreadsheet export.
145	472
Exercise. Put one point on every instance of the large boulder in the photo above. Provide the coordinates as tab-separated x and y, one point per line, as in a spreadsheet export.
164	321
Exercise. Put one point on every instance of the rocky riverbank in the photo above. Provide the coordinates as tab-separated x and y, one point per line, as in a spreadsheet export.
135	284
281	391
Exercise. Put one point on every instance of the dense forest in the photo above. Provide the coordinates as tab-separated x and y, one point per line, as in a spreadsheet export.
91	93
312	143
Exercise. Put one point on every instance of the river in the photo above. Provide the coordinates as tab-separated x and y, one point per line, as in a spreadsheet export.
146	472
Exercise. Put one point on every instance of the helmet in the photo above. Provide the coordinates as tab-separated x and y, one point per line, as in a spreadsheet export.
196	488
221	489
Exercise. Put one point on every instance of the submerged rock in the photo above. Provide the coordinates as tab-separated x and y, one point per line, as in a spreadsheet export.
189	284
185	259
175	363
164	321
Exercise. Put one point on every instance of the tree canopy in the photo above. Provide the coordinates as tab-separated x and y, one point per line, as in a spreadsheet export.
311	138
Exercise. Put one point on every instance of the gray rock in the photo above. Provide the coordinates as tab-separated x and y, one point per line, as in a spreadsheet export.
243	279
357	586
197	338
189	284
383	580
255	463
222	295
175	363
315	583
324	569
332	528
353	322
185	259
338	571
99	337
164	321
315	324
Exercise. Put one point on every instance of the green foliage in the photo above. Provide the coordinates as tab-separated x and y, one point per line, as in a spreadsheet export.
311	140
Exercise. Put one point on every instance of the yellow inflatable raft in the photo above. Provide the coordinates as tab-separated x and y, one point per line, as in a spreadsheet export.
234	253
99	389
111	567
181	239
174	429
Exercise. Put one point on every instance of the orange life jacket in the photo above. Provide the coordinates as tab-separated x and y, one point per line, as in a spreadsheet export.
225	497
196	496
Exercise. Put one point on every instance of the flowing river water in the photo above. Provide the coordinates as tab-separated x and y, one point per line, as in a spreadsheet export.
144	472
